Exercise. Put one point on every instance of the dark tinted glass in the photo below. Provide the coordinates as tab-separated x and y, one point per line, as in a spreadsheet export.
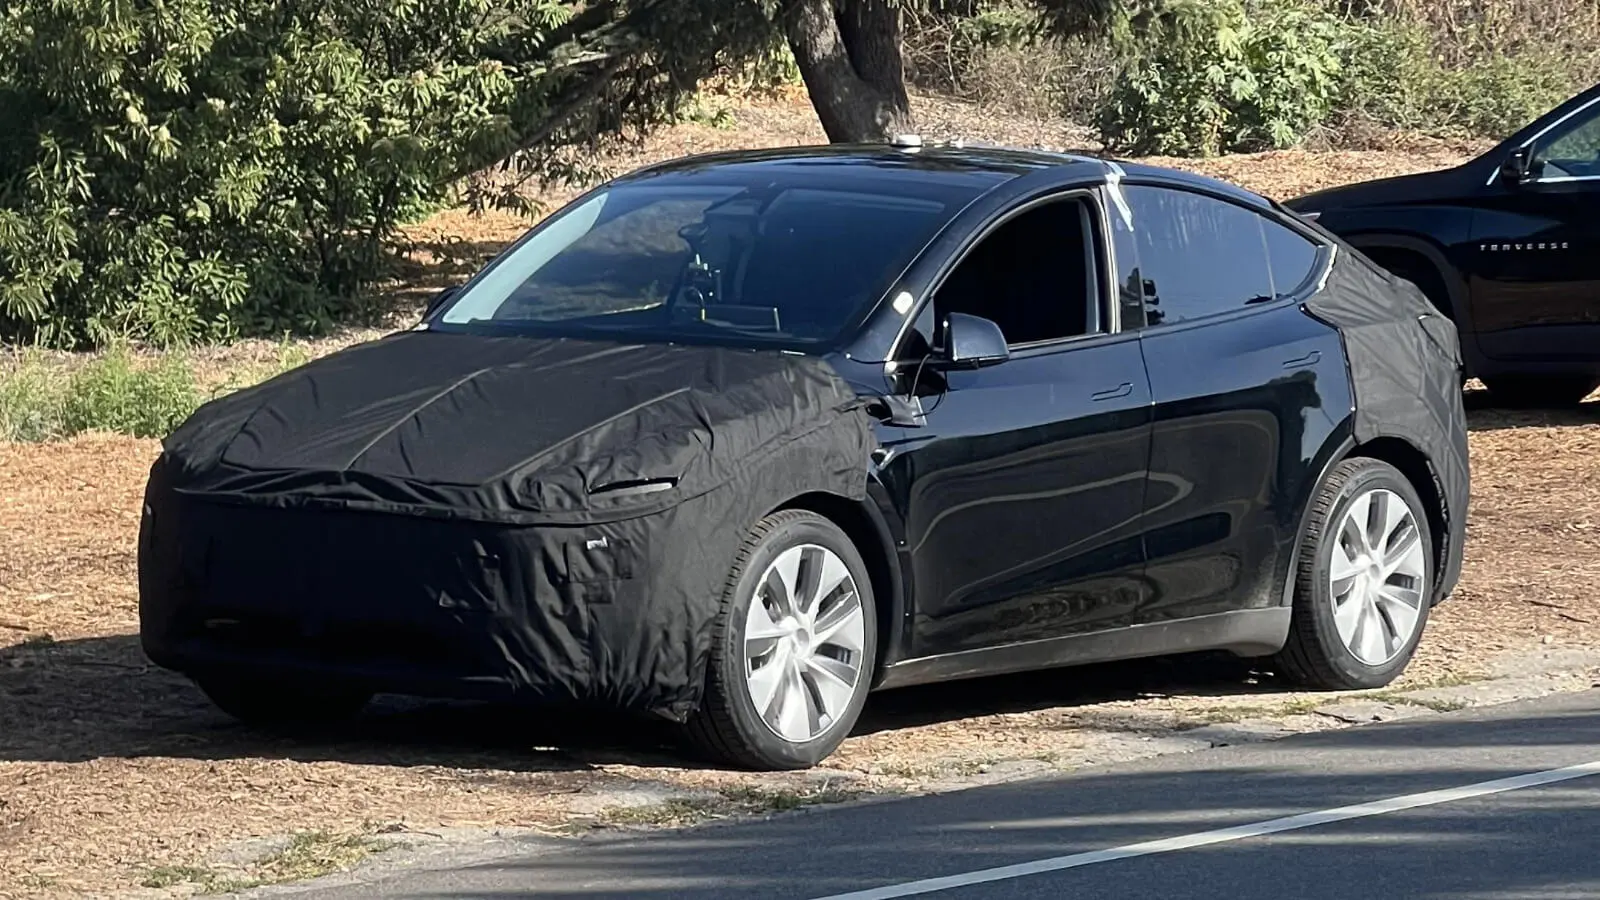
1034	276
1573	151
765	262
1201	256
1292	256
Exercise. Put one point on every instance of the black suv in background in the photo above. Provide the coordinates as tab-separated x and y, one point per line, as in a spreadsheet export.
1508	245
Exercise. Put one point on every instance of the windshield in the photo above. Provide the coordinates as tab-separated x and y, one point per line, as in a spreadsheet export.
768	263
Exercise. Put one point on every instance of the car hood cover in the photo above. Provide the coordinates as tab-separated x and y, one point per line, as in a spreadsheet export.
509	428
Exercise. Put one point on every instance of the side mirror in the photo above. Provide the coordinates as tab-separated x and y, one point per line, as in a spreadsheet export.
1518	166
972	342
440	299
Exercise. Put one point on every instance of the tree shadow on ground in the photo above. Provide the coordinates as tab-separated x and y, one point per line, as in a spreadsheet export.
78	700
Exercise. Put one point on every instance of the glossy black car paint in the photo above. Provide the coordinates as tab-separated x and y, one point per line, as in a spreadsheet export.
1516	265
1234	418
1192	450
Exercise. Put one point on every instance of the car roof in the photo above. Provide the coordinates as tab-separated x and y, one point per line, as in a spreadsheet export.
980	167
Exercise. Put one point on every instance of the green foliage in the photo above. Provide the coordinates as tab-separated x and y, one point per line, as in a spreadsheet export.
1400	77
31	400
111	393
1202	78
143	395
202	169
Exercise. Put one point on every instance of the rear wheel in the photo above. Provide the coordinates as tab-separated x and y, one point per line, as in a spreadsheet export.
1540	391
1365	580
795	641
279	705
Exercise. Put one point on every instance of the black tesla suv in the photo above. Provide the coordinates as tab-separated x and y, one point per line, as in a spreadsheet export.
1507	245
736	440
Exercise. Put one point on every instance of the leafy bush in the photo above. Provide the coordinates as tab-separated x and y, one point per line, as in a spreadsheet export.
30	401
1405	75
111	393
201	169
197	168
1201	78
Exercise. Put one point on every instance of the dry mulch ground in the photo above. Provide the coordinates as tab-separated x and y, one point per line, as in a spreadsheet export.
110	769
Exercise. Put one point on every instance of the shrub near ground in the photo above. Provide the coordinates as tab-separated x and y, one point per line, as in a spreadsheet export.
1183	77
44	398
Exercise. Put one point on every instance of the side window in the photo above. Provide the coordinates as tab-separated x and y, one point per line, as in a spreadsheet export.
1291	256
1035	276
1574	152
1199	256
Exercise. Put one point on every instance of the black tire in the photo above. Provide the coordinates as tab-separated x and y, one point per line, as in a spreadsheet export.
1315	656
1539	391
280	705
727	726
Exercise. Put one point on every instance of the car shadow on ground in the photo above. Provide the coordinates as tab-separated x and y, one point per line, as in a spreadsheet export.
79	700
1192	675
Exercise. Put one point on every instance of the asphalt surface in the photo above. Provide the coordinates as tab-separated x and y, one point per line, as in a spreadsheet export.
1531	842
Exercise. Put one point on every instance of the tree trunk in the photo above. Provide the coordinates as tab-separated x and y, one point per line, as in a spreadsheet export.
848	52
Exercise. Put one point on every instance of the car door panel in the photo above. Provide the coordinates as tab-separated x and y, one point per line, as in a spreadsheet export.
1242	408
1245	387
1022	497
1537	287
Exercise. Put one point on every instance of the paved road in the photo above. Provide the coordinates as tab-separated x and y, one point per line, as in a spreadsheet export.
1532	838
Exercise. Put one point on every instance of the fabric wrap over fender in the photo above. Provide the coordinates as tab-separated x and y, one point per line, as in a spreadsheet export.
1405	365
547	518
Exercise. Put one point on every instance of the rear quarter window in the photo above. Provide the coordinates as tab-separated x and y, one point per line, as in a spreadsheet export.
1199	256
1291	256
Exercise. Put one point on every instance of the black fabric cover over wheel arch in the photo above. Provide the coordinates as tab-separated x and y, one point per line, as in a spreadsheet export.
1404	359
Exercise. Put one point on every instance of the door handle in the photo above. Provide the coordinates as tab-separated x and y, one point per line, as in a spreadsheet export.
1310	359
1121	390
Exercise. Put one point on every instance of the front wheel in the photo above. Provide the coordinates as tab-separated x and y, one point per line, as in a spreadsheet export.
793	651
1540	391
1364	583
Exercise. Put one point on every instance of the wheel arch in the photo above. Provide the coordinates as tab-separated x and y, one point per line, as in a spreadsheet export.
1413	464
865	527
1382	246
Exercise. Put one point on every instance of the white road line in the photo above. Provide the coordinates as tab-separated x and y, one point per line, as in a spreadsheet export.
1223	835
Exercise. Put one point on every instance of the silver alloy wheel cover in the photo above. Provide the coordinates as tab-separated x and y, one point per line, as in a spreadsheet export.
1378	576
804	643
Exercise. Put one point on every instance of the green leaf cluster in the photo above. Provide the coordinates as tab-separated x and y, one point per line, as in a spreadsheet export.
1203	77
193	170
